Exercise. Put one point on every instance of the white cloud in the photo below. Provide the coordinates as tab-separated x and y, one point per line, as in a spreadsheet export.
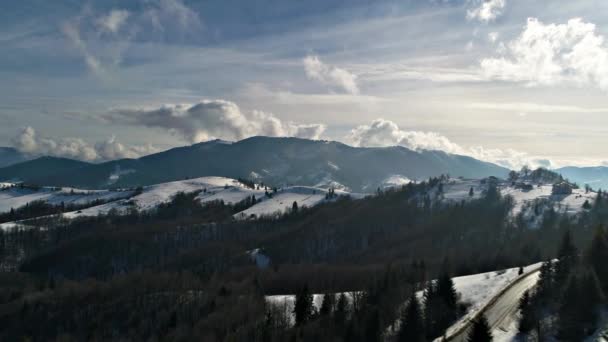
386	133
486	10
211	119
551	54
28	141
114	31
528	107
330	75
113	21
493	36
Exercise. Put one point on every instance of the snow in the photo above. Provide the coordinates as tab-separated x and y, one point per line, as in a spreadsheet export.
283	200
477	291
286	302
210	189
16	197
395	180
458	189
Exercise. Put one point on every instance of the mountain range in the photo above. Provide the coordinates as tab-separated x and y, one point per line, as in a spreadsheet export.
274	161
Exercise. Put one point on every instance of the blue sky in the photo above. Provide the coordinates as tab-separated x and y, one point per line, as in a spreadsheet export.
509	81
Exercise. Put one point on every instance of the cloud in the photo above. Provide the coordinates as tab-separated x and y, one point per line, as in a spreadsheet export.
111	33
386	133
552	54
486	10
28	141
212	119
330	75
113	21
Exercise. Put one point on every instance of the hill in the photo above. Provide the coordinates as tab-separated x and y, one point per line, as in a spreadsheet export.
275	161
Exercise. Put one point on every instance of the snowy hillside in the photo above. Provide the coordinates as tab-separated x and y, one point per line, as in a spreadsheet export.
209	188
529	201
15	196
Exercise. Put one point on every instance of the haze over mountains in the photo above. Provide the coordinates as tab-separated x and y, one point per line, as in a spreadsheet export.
275	161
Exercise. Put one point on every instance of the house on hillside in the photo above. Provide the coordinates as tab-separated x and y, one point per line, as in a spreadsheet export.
562	188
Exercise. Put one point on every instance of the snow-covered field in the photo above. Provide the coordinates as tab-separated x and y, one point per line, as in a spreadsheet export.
15	196
210	189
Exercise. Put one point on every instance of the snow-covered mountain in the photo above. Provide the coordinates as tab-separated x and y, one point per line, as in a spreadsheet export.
275	161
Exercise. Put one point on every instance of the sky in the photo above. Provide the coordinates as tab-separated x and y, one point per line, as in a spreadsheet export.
513	82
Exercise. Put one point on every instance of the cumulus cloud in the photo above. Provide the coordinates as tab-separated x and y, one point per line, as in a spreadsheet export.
387	133
551	54
212	119
486	10
28	141
330	75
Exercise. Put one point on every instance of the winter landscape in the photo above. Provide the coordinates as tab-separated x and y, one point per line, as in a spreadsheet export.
269	171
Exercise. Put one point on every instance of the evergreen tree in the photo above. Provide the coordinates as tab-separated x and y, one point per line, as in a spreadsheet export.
327	307
568	257
372	326
527	319
596	257
412	324
569	320
480	332
341	310
471	192
294	207
589	299
303	307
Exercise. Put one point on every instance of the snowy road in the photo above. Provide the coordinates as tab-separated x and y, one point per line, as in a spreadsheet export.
502	313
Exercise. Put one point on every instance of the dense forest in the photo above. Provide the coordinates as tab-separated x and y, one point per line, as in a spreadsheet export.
185	270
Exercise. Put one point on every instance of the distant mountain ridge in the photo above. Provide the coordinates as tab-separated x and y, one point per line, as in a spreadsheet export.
276	161
595	176
10	156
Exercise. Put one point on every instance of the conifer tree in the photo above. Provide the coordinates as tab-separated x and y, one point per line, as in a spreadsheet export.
412	324
568	257
327	306
527	319
596	256
569	324
303	307
480	331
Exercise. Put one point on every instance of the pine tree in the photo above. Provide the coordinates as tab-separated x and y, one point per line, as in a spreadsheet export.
303	307
596	257
480	332
569	324
471	192
294	207
589	298
527	319
327	307
340	314
372	326
568	257
412	324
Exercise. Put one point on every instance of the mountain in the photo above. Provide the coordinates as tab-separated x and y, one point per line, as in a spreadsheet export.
40	168
595	176
275	161
10	156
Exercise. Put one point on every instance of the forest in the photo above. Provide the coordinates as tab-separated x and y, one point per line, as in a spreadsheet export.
184	271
